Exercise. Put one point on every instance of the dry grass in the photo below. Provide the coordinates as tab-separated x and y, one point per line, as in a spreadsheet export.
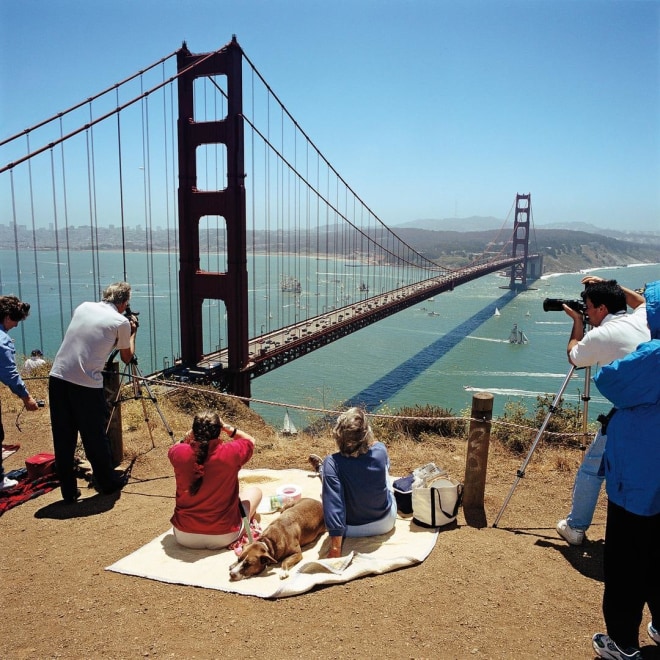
162	415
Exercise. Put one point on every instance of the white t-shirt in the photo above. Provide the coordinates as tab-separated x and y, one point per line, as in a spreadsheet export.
616	336
31	364
96	329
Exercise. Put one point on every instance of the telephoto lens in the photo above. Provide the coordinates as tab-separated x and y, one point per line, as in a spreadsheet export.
557	305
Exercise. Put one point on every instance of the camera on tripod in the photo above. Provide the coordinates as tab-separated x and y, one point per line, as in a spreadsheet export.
132	316
556	305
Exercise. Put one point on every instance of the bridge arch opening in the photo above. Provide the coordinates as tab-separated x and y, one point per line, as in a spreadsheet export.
210	98
210	161
213	243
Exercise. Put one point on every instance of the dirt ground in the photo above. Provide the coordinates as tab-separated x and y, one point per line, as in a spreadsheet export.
516	591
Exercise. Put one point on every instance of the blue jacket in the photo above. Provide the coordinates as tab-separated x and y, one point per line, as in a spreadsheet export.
8	372
632	454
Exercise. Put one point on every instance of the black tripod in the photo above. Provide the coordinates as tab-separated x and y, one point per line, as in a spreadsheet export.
137	380
553	407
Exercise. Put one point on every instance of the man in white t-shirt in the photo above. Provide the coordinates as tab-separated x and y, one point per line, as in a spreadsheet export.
614	334
75	387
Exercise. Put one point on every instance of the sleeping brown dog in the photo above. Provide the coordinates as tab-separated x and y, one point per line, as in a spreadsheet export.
299	523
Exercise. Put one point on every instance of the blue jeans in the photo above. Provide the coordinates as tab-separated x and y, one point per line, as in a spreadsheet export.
377	527
588	481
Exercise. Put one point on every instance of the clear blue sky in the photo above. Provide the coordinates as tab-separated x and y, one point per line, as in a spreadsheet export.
428	108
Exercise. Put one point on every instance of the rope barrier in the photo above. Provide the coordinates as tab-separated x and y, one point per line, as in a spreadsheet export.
335	412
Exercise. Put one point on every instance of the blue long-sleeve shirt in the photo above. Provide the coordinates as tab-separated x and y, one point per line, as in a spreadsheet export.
8	371
632	454
355	489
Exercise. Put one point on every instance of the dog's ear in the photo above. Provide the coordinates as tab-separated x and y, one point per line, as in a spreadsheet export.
267	559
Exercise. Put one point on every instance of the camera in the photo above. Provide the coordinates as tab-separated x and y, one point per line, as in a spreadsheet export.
556	305
132	316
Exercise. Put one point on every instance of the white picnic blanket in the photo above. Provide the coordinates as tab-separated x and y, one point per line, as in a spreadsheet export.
165	560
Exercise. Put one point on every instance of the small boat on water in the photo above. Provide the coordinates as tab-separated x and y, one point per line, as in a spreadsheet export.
497	312
517	336
288	427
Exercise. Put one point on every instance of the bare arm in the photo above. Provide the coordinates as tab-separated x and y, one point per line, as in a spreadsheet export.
577	332
234	432
335	547
127	354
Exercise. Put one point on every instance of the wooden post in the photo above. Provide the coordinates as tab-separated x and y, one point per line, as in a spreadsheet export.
476	461
111	390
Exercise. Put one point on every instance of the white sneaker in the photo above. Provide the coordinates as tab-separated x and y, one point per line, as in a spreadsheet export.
572	536
654	634
8	483
606	648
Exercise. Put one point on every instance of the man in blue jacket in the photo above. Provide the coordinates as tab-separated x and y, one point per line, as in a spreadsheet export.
632	478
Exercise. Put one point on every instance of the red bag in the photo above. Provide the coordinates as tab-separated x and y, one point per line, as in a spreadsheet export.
40	465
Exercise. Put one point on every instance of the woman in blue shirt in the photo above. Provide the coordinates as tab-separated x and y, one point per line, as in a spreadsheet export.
357	498
12	312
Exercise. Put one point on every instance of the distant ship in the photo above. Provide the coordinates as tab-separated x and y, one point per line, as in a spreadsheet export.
363	287
290	284
497	312
517	336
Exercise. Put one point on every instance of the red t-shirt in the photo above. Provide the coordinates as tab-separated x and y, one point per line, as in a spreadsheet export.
214	508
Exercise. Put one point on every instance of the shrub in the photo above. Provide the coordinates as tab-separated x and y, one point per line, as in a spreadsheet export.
564	427
415	421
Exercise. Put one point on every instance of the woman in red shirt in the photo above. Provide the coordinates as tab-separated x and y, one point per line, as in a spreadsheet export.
207	513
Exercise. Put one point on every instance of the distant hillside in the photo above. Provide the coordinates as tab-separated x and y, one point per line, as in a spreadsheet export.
564	251
489	223
474	223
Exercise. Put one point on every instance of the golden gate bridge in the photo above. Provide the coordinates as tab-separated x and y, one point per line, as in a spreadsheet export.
248	249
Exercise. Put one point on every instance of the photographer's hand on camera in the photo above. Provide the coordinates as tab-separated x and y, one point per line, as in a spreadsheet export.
577	331
134	323
575	314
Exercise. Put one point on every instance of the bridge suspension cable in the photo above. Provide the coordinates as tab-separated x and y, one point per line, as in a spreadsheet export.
313	245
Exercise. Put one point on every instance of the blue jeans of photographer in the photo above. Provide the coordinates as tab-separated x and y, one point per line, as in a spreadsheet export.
588	481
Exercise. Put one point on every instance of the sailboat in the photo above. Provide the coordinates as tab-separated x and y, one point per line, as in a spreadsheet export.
288	427
517	336
497	312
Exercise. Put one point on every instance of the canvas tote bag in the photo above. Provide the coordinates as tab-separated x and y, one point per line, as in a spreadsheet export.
437	504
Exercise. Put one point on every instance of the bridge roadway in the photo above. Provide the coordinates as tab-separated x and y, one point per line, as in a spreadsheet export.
273	349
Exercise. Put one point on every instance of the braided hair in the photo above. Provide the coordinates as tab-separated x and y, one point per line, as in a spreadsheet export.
206	427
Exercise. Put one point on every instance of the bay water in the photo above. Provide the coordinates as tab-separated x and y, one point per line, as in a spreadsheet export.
441	352
438	353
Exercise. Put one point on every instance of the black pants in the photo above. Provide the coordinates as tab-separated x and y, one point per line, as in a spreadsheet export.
75	409
631	571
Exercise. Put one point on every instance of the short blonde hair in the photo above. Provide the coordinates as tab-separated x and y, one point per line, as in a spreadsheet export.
352	433
117	293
